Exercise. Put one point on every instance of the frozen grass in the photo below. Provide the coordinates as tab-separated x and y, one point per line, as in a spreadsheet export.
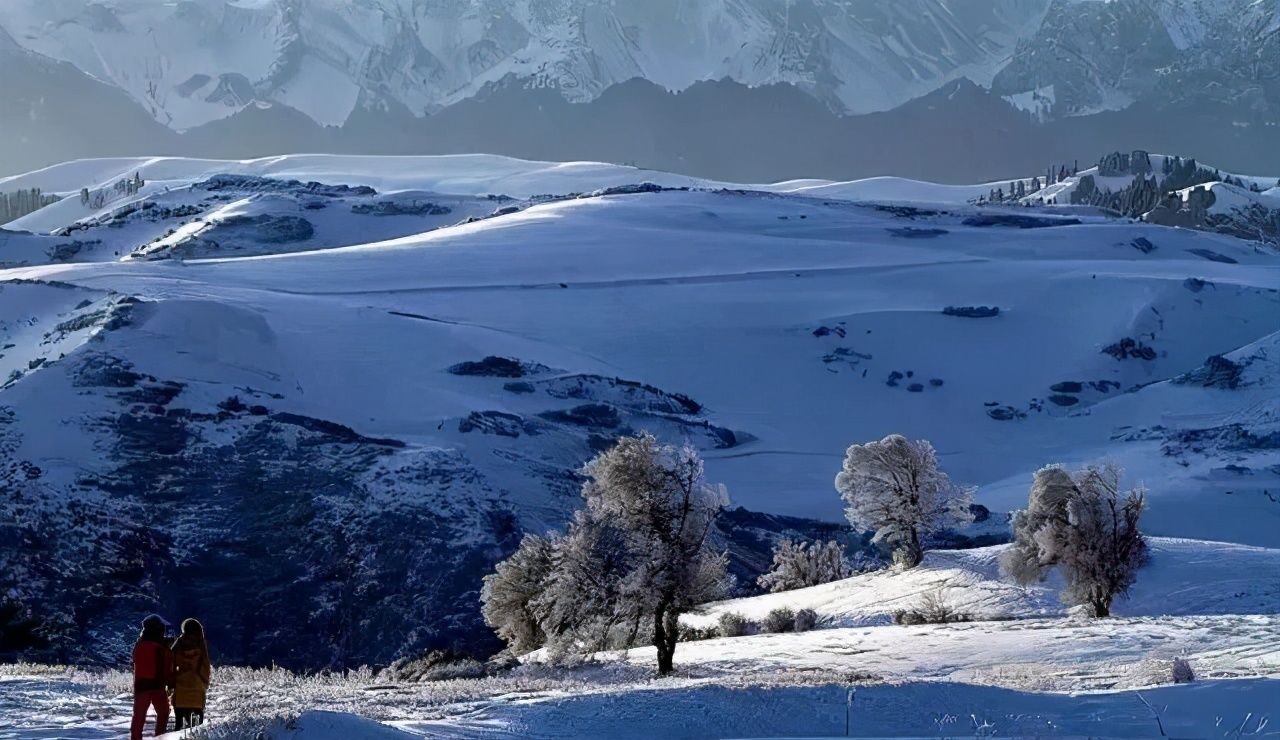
246	701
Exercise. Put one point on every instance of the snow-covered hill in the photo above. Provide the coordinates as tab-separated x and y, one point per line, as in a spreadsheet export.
328	406
1184	577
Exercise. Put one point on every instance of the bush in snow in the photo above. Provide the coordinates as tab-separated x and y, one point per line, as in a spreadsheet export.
435	665
694	634
781	619
806	619
895	488
508	596
1182	672
804	564
1158	670
935	607
1085	524
256	727
733	624
636	556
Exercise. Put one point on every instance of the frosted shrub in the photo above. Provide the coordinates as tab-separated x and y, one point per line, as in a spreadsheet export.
694	634
781	619
806	619
247	726
804	564
455	669
1085	524
895	488
508	599
1182	672
733	624
935	607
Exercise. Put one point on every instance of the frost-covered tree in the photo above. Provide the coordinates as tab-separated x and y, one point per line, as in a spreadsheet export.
635	557
509	597
804	564
658	498
1084	523
585	605
895	488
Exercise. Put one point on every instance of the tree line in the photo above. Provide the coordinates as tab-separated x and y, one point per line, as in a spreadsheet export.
19	203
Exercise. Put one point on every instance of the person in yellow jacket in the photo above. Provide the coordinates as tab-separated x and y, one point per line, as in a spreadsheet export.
191	675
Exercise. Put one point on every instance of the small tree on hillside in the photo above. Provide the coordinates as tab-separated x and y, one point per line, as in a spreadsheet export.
895	488
804	564
636	556
659	500
1084	523
586	602
509	597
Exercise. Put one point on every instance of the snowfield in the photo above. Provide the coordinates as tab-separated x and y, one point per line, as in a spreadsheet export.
1183	577
233	357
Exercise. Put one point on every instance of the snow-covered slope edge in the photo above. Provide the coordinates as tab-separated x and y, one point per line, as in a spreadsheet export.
1184	577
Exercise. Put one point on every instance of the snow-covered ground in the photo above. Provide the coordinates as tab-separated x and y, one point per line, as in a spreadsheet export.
1042	677
1183	577
797	318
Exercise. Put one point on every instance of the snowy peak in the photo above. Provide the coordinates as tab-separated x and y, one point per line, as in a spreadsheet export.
201	60
1097	56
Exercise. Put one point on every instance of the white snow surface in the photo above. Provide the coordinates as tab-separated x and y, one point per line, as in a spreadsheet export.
1183	577
462	174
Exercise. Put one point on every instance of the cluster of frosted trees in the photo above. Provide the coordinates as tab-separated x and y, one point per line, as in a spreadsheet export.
115	191
638	554
19	203
1084	523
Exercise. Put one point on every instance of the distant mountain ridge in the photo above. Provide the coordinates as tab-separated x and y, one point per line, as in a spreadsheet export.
1078	80
197	61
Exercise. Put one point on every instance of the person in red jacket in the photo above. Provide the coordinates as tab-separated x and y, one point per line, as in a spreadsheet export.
152	676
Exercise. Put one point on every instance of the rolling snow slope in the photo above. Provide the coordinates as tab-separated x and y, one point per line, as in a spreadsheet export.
771	329
1184	577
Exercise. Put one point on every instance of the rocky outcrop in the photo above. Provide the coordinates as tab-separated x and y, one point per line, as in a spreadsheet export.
497	367
1190	212
1216	372
1120	164
1134	199
1130	348
972	312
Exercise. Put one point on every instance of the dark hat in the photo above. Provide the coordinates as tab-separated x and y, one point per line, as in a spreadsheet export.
155	621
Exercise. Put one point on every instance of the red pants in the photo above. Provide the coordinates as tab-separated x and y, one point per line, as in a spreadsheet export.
142	701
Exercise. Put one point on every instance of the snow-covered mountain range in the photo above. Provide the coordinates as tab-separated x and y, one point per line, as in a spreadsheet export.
197	61
366	376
